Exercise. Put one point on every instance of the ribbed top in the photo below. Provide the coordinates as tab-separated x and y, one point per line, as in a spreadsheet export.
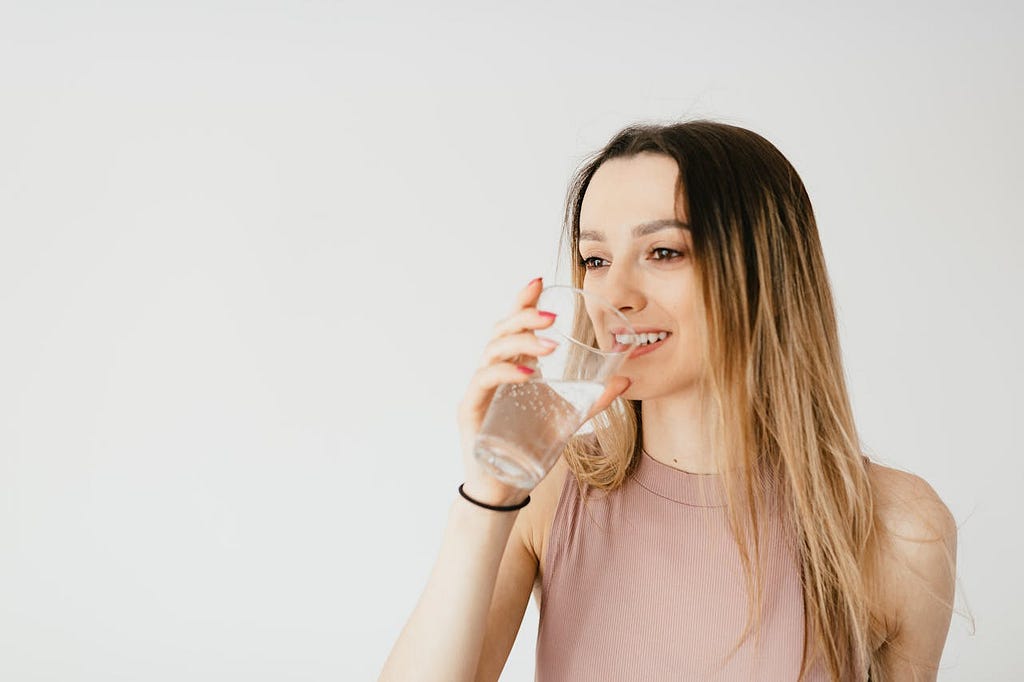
694	490
646	583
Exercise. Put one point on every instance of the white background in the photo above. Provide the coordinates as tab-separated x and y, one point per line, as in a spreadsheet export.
251	252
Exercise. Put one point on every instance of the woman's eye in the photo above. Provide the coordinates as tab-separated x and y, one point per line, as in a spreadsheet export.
586	262
665	248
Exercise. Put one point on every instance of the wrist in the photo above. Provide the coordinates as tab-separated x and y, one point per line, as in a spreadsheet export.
493	493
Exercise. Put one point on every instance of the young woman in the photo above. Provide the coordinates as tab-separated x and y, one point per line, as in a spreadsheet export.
720	522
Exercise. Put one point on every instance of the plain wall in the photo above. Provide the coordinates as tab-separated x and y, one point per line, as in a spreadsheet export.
251	252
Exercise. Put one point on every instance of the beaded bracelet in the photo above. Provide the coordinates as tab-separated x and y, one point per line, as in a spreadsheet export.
491	506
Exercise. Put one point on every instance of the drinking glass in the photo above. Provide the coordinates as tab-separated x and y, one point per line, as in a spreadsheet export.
528	423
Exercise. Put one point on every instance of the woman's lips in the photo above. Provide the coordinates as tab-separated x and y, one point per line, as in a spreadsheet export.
648	348
641	350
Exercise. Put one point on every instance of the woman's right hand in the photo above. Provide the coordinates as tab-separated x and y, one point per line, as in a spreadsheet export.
513	343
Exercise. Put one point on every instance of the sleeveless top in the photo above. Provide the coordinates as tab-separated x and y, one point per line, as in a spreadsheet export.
646	583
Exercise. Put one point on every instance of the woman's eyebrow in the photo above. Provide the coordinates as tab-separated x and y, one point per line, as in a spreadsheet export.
641	230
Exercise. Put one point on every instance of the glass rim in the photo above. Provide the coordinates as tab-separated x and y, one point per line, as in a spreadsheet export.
607	304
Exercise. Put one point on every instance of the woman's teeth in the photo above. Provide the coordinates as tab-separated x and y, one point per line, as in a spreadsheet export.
643	338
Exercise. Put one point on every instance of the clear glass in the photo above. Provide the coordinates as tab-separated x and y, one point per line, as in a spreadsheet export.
528	423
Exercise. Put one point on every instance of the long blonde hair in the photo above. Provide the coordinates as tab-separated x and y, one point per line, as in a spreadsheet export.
781	413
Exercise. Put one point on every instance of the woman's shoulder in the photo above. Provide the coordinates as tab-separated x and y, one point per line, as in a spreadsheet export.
905	501
918	554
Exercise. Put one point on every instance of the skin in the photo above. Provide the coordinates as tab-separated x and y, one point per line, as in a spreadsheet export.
464	629
652	283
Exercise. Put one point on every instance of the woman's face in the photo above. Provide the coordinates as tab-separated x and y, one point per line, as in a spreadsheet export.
648	276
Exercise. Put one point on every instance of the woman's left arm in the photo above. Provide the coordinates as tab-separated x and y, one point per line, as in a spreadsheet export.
920	575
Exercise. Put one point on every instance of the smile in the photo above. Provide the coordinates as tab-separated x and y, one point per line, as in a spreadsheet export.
648	348
642	349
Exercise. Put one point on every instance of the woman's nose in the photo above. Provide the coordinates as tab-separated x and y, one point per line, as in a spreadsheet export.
622	290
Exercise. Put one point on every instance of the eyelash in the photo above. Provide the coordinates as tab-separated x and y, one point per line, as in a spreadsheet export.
583	261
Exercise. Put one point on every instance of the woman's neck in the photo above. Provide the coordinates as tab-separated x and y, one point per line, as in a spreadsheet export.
675	434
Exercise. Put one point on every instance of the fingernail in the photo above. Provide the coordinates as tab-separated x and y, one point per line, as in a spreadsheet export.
524	370
535	279
547	314
548	343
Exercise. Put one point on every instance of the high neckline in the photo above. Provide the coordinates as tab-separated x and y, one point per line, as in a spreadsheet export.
695	490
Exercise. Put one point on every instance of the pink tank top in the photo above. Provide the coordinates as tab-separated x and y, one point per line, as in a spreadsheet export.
647	584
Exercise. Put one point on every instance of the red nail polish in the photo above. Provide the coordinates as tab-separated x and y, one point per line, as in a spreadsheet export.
524	370
535	279
547	314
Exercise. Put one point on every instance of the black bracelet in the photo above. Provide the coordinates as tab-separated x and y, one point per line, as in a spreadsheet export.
491	506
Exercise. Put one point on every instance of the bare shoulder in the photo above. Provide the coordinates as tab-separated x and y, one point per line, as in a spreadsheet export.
918	563
908	505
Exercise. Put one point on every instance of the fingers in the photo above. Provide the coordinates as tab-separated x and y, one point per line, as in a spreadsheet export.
528	295
616	386
512	346
488	378
482	386
525	309
513	338
523	319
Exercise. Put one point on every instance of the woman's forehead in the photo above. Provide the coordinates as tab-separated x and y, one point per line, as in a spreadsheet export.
626	192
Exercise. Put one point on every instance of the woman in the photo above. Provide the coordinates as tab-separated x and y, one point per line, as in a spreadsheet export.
720	522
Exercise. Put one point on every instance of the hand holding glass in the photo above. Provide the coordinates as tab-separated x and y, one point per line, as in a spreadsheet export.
528	423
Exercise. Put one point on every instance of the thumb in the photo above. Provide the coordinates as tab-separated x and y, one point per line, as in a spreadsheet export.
616	386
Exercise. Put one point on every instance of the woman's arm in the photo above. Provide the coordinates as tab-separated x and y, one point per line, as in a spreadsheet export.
468	607
444	636
920	577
